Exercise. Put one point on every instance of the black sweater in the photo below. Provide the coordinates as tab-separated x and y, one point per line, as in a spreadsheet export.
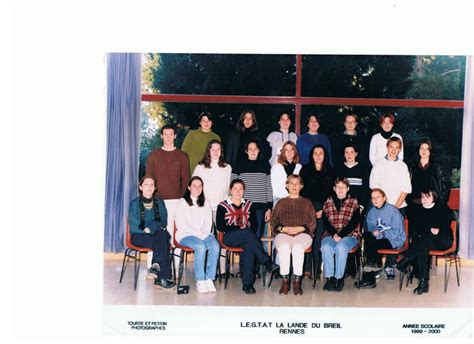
439	216
317	184
358	176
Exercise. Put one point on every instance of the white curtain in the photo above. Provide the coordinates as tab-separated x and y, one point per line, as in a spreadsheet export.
466	208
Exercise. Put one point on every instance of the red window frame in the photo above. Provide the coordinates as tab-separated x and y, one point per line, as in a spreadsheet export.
299	100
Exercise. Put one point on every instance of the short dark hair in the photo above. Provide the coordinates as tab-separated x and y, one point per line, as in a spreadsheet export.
204	114
429	191
315	116
395	139
256	142
167	126
342	180
236	181
351	114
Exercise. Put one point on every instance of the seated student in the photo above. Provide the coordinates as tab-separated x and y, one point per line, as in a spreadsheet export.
431	231
385	230
194	229
236	218
147	218
341	217
293	223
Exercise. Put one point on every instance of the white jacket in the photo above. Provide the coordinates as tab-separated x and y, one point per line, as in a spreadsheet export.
378	147
193	220
278	177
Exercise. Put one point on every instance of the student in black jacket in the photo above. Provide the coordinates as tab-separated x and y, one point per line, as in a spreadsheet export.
431	227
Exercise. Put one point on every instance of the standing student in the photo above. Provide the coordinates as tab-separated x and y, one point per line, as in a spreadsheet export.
312	138
170	168
356	173
318	179
258	188
378	142
246	130
215	173
276	139
350	135
391	175
236	218
147	218
196	141
286	165
194	230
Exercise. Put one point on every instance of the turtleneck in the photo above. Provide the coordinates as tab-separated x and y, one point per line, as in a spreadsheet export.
429	207
386	134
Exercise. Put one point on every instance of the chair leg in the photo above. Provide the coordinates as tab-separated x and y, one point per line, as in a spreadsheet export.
356	254
173	265
125	256
445	273
456	265
137	268
180	272
227	268
263	272
314	268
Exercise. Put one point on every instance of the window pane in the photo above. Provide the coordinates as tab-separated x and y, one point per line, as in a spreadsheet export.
185	116
219	74
402	77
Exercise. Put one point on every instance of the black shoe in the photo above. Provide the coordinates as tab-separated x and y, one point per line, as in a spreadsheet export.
423	287
238	274
248	289
164	283
329	284
403	265
365	284
338	285
154	271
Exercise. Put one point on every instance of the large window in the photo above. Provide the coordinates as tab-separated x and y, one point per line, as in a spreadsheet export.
424	92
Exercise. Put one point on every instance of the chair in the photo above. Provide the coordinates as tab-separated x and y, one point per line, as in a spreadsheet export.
449	254
229	251
313	267
184	249
137	251
356	251
387	251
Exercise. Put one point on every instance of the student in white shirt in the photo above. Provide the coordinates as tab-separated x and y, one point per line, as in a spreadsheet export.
378	142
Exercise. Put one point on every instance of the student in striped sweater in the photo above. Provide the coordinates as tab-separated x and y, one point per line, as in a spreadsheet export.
256	175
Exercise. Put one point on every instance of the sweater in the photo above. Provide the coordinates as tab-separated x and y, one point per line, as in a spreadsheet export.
278	178
171	172
134	217
294	212
235	146
227	217
340	141
439	216
342	220
216	182
358	176
378	147
258	184
307	141
276	139
195	144
318	185
389	222
392	177
193	220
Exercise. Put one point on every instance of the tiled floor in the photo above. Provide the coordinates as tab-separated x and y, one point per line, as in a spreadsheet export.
386	294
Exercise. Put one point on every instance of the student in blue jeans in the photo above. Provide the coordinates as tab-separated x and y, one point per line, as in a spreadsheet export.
341	217
194	229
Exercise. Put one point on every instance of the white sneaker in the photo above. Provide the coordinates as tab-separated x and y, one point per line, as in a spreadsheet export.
211	288
201	287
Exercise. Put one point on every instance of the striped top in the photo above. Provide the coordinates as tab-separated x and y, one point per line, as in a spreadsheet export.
257	179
